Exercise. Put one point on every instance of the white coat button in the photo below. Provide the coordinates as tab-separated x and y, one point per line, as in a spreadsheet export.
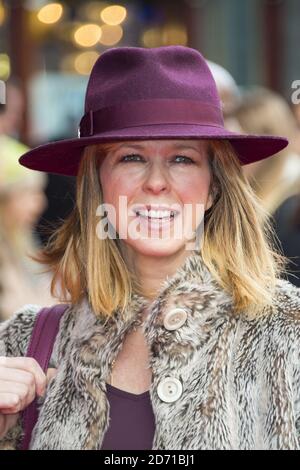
169	389
175	318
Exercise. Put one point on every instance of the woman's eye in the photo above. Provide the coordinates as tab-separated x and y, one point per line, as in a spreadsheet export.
130	158
185	159
135	157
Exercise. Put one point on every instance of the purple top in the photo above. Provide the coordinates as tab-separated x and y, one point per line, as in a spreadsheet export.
132	422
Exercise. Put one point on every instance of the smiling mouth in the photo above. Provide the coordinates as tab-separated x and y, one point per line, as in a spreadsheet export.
149	217
156	214
156	223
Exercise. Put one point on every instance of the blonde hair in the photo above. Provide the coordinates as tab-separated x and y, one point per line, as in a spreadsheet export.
237	246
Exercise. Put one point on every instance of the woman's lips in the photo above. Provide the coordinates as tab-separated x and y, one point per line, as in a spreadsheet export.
155	223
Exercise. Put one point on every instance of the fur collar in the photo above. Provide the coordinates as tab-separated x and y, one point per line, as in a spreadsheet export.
203	355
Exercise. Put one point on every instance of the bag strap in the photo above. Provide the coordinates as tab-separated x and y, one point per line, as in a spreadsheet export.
40	348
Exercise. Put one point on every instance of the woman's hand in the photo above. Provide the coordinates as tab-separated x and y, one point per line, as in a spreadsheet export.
21	379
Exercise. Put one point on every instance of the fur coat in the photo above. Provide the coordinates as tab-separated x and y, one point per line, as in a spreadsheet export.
240	376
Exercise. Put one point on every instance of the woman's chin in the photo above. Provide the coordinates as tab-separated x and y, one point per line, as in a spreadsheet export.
157	247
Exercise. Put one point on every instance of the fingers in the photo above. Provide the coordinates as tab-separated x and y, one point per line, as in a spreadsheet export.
17	376
26	394
21	379
10	403
26	364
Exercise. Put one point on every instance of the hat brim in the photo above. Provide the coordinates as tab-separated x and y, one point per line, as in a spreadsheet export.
63	157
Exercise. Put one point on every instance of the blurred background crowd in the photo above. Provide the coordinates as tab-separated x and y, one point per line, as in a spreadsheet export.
47	50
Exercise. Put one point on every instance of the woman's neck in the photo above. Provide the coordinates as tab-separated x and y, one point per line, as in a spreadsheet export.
152	271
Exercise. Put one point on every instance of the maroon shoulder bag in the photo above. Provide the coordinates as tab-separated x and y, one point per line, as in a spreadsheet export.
40	348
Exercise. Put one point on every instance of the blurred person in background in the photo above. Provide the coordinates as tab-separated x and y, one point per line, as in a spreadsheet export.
22	200
277	179
229	93
274	180
296	111
287	226
12	114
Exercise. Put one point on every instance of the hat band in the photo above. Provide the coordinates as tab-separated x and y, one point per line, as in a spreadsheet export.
149	112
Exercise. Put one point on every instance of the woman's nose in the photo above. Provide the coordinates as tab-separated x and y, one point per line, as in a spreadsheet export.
156	179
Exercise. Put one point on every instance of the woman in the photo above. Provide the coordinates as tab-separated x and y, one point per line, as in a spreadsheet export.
187	339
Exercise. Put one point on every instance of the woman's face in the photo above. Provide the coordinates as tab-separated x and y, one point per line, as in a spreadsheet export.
174	174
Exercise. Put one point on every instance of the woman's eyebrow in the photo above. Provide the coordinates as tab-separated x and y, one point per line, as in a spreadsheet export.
174	147
184	146
137	146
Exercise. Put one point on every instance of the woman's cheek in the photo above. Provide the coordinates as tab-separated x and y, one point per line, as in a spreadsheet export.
116	196
194	203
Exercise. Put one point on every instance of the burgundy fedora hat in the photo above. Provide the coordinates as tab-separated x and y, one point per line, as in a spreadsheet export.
137	93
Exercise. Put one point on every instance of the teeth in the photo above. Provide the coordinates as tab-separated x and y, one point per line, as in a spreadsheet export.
156	214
